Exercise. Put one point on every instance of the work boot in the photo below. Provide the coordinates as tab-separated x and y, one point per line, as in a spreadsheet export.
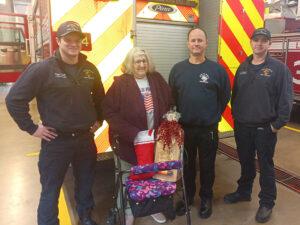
205	210
236	197
263	214
87	220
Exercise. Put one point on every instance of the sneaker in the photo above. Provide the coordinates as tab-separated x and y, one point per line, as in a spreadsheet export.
159	217
205	210
263	214
129	219
236	197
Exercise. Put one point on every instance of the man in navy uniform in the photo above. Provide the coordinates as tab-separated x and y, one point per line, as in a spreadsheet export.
201	90
261	103
69	92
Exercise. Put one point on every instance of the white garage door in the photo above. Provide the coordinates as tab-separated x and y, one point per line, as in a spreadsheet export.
166	43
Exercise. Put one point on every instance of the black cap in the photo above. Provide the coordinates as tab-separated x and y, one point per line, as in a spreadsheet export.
67	28
261	31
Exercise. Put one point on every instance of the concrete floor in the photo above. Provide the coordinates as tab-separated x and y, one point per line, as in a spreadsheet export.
287	149
19	181
20	186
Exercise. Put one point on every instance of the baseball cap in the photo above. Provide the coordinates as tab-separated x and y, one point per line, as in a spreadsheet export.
67	28
261	31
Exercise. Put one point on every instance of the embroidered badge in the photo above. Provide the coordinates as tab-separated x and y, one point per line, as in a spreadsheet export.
266	72
203	78
88	74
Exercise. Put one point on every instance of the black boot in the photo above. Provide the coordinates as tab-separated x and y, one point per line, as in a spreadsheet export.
205	210
86	219
263	214
236	197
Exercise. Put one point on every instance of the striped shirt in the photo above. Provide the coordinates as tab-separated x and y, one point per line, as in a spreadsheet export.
144	87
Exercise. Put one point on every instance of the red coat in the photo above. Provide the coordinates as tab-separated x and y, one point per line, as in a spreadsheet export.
124	110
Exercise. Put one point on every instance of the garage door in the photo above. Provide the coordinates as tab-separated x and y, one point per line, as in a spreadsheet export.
166	43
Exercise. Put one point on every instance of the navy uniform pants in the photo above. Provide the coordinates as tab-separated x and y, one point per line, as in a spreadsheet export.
204	141
77	149
260	140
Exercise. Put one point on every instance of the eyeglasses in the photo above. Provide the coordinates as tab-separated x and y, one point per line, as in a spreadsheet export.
144	61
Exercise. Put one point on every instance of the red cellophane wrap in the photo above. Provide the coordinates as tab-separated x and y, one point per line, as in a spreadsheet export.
168	144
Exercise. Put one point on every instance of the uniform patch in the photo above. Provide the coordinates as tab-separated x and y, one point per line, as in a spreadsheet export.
88	74
203	78
60	75
243	72
266	72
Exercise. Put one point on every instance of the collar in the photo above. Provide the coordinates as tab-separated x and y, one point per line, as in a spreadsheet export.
81	58
249	59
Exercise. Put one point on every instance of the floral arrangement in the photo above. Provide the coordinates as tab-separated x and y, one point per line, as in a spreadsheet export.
170	130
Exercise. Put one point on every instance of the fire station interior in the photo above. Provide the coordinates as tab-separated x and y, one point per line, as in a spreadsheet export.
19	152
20	187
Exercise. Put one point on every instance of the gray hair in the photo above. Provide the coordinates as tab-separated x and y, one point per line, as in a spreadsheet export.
127	66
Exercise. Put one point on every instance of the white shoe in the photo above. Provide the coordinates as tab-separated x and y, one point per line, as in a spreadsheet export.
129	219
159	217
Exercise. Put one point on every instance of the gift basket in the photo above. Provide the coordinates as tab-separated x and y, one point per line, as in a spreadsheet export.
169	142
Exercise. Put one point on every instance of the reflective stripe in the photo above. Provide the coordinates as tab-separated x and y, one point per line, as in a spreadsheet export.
238	20
58	10
253	13
115	58
106	17
230	58
235	25
109	24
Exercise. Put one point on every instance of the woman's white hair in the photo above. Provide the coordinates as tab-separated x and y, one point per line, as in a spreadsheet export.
128	64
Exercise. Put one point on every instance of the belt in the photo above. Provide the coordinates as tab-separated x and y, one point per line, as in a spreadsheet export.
76	133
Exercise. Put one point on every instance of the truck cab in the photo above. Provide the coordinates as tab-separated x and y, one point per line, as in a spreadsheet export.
14	46
286	48
13	52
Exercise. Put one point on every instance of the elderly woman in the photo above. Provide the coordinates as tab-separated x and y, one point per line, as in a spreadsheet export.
136	101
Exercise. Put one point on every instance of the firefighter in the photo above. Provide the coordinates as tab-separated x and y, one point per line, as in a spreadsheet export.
261	104
69	93
201	90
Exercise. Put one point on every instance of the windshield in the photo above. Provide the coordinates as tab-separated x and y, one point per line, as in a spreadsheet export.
10	34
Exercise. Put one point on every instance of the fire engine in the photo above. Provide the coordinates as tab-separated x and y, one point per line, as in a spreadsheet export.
14	46
160	26
286	47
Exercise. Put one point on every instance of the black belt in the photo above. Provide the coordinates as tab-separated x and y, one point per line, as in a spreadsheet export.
76	133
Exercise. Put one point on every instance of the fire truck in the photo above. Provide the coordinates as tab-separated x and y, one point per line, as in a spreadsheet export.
14	46
286	47
160	26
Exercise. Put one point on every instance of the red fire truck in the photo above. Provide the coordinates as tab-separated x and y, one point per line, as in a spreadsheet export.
286	47
14	46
